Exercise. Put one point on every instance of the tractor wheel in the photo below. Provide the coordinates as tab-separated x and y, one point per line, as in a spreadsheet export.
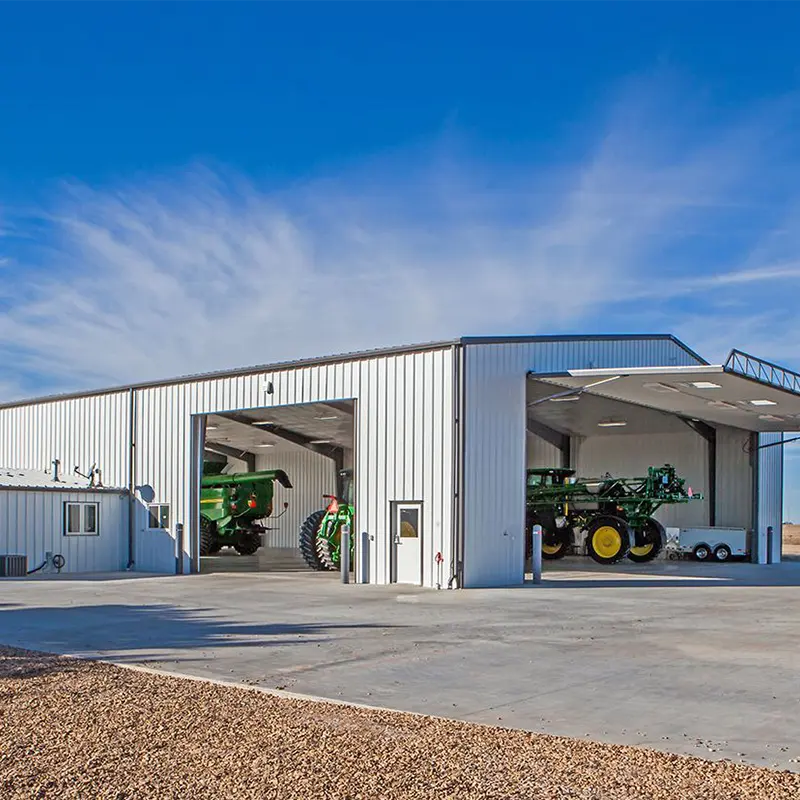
654	535
608	539
328	550
308	540
248	543
209	544
555	541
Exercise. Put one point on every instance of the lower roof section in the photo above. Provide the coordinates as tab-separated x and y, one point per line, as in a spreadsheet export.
745	392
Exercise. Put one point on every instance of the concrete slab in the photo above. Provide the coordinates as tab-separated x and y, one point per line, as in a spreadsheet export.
688	658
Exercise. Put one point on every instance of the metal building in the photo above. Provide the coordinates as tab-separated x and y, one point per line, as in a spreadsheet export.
443	430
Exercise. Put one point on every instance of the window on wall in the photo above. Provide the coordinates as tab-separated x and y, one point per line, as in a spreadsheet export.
158	516
81	519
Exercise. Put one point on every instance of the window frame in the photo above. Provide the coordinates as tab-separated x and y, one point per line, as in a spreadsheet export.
159	515
82	505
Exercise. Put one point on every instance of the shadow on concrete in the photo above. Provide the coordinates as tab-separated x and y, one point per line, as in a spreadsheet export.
100	630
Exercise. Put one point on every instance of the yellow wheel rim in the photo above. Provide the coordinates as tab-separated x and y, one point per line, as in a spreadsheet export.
644	550
606	541
551	549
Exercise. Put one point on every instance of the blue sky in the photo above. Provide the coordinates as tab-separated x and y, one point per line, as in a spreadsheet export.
182	185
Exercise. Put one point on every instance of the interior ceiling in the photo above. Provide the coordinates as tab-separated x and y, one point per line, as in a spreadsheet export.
321	425
708	393
580	417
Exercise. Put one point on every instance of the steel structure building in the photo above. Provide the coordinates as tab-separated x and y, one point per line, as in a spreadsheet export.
445	427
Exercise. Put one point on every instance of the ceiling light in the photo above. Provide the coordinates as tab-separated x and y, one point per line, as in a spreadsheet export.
325	419
612	423
705	385
262	422
566	399
763	403
661	387
770	418
265	445
722	404
211	427
320	441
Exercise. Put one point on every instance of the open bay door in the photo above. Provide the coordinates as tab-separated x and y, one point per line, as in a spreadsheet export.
740	409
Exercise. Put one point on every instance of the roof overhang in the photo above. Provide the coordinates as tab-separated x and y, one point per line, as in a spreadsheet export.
745	392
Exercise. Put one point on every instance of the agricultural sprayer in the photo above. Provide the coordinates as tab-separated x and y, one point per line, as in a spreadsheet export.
616	513
231	507
321	533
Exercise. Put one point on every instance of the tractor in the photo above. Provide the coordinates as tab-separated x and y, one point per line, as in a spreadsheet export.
321	533
231	507
616	513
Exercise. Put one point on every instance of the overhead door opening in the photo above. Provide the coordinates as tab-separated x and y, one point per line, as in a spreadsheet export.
267	477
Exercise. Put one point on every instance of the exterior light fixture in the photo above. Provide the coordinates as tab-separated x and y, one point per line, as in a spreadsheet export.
705	385
211	427
763	403
265	445
612	423
326	419
320	441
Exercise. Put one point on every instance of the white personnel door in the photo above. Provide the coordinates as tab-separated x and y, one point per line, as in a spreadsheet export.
407	527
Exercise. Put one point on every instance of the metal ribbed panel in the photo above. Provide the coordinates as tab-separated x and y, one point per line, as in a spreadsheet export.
494	445
32	524
734	479
770	491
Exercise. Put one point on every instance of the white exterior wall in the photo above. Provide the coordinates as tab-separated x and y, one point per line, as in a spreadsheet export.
32	524
403	432
494	445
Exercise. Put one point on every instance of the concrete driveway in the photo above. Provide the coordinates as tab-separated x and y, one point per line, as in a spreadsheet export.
696	659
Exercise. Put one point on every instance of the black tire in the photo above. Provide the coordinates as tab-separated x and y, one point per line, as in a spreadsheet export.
248	543
209	544
308	540
555	541
722	553
325	552
654	536
701	552
615	542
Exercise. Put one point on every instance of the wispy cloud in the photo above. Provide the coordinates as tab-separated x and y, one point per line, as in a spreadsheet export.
667	222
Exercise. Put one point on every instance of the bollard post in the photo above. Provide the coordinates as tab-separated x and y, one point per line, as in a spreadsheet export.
364	560
344	551
536	537
179	557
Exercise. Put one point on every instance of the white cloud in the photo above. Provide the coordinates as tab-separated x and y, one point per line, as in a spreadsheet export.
656	228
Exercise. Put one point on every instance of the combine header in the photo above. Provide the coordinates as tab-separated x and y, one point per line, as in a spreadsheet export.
616	513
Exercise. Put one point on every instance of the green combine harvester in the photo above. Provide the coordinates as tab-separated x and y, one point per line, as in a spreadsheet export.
616	513
321	533
231	507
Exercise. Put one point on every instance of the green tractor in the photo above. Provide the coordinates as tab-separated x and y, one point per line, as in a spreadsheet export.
231	507
616	513
321	533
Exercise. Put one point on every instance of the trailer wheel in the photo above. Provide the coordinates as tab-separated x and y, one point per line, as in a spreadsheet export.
308	540
248	543
722	552
608	539
701	552
654	535
209	544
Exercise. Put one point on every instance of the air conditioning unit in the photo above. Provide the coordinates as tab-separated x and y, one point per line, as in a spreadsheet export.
13	566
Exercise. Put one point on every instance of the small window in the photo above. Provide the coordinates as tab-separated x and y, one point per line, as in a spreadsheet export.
158	516
81	519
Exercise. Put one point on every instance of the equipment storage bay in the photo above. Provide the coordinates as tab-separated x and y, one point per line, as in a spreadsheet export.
423	451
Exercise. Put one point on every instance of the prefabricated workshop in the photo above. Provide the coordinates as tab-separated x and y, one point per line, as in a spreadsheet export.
421	450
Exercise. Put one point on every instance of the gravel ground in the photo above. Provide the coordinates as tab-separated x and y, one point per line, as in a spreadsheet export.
78	729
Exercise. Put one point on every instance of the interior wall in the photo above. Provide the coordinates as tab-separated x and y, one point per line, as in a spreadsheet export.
541	453
630	455
734	479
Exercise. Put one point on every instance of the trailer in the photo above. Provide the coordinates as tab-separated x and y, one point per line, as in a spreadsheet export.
708	543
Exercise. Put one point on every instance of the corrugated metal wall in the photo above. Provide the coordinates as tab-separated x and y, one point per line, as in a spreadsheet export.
32	524
631	455
494	444
734	479
770	492
542	453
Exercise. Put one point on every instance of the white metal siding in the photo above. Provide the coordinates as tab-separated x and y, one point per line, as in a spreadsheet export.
32	524
734	479
631	454
494	441
542	453
770	491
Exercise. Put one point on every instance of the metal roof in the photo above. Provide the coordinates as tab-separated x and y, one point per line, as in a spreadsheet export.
354	356
13	478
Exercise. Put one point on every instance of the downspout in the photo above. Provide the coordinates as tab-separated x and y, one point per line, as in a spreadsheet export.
457	534
131	478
